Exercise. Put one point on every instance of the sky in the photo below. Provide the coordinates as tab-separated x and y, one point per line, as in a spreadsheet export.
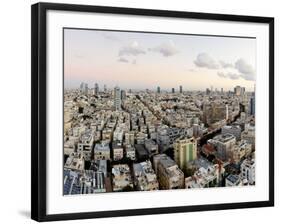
137	60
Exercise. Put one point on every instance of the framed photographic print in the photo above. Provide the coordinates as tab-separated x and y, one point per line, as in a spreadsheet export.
140	111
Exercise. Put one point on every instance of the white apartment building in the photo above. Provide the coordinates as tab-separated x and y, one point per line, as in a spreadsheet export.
248	170
130	152
86	144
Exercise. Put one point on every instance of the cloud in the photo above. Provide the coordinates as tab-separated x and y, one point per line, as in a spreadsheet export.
226	65
203	60
123	60
132	49
239	69
222	74
246	70
166	49
233	75
248	77
230	75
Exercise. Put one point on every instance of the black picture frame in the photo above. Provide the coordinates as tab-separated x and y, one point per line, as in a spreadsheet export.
39	108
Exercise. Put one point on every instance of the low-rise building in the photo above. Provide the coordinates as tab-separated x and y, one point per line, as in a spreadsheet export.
145	177
121	178
232	180
241	150
143	128
162	138
85	145
71	184
232	129
86	182
151	147
208	175
118	135
78	130
107	134
248	170
117	151
69	147
249	135
102	151
224	145
130	138
168	172
92	182
214	111
141	137
130	152
75	161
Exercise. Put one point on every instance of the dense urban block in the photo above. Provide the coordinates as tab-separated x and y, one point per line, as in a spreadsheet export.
121	140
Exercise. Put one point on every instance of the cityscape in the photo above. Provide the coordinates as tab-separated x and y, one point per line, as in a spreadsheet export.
128	135
117	140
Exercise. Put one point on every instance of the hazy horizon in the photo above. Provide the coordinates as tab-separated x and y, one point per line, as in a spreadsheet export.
135	60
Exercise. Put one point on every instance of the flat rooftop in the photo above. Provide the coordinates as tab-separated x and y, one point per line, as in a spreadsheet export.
224	137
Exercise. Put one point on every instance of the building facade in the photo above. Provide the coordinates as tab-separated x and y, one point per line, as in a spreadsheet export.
85	144
102	151
248	170
185	150
117	98
224	145
232	129
145	177
168	172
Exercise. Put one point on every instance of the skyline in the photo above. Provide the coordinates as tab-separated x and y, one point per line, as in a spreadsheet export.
118	142
176	88
137	60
